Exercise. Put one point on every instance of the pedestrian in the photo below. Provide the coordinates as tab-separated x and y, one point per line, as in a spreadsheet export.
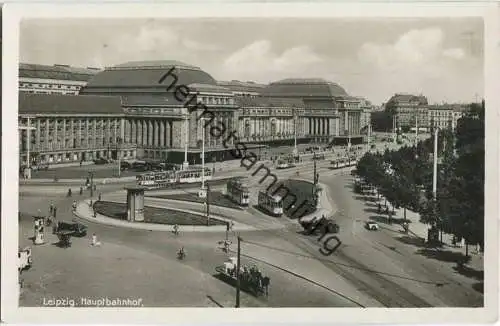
51	209
99	197
54	212
94	214
74	205
81	190
94	241
95	187
90	203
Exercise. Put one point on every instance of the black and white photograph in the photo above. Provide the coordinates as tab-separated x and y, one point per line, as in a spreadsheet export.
218	161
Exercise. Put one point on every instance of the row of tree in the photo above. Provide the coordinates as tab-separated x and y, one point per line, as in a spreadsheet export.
405	178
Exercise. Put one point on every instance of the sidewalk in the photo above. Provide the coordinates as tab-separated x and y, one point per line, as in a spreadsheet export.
418	229
84	211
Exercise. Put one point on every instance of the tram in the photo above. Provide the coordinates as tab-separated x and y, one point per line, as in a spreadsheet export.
271	204
237	191
164	179
343	162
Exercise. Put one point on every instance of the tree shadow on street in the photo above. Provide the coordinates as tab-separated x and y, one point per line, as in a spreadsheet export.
379	219
414	241
469	272
61	244
442	255
479	287
348	186
372	210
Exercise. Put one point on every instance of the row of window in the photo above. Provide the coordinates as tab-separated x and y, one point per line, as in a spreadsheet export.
51	86
216	100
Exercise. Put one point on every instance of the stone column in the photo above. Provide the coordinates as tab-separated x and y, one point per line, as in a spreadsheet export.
144	132
37	135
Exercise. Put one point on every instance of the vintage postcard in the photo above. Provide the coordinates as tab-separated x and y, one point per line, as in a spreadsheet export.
161	162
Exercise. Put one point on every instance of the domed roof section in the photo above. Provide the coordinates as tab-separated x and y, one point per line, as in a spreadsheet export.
304	87
149	74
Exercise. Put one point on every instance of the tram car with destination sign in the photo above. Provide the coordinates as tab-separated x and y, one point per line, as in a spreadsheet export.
165	179
271	204
237	191
343	162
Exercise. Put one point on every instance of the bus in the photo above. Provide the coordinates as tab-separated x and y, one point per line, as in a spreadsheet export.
237	191
272	205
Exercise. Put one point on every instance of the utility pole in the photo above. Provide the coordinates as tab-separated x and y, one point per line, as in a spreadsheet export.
118	154
28	129
91	184
186	140
203	191
295	150
416	129
207	203
238	264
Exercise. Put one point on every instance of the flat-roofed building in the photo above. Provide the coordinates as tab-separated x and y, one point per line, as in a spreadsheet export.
445	116
71	128
56	79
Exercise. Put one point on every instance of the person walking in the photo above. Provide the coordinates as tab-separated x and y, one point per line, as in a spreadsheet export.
55	212
81	190
99	197
74	205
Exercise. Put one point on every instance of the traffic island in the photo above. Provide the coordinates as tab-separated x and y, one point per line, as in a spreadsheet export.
216	198
155	215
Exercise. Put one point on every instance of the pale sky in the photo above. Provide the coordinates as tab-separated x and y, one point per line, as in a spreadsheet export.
439	58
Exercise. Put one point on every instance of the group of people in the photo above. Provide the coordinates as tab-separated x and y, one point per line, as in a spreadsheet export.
252	276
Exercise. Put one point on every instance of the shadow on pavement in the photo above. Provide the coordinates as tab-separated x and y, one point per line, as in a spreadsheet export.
61	245
479	287
418	242
442	255
379	219
372	210
214	301
469	272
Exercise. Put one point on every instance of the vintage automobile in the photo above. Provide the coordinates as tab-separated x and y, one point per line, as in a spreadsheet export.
372	226
323	225
72	228
24	259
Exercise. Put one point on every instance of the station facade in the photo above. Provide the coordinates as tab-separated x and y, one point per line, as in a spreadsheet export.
133	110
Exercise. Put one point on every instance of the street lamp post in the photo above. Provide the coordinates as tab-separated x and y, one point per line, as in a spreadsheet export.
28	129
118	154
186	127
295	150
202	193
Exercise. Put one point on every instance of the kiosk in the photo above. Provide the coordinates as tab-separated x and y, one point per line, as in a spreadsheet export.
39	235
135	204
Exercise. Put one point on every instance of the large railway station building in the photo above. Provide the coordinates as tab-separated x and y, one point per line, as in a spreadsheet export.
128	111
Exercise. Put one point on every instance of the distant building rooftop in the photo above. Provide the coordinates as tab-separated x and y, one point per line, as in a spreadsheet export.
79	104
239	86
304	87
58	72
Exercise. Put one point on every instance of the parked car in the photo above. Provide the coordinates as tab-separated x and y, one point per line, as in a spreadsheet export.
372	226
100	161
24	259
74	228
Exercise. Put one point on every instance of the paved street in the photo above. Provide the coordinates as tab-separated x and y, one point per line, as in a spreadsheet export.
371	268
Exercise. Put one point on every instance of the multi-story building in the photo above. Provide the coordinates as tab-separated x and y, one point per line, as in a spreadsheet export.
71	128
145	110
366	114
410	110
333	115
445	116
56	79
